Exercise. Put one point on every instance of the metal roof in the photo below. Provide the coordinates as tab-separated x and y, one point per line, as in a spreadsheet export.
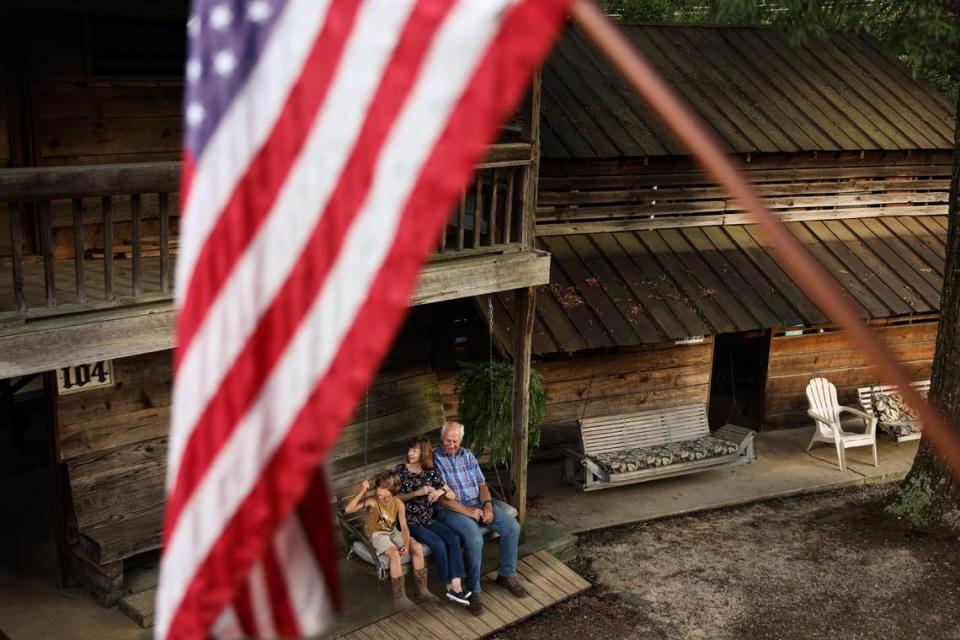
756	92
644	287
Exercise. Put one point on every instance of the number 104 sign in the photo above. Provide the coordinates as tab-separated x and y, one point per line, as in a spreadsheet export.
81	377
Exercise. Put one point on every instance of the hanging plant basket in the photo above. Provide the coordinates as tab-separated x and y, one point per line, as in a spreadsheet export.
485	391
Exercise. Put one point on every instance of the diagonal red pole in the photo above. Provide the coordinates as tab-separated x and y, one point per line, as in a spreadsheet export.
802	267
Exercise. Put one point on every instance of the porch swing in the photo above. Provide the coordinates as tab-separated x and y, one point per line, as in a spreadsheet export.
360	550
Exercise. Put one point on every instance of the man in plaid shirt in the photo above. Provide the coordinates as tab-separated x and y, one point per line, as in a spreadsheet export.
472	509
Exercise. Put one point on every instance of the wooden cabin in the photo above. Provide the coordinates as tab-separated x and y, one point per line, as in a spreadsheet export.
90	141
661	290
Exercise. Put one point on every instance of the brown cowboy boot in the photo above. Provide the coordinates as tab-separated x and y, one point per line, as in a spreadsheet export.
400	600
512	585
420	591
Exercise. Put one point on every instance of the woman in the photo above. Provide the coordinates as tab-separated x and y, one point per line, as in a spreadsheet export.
420	487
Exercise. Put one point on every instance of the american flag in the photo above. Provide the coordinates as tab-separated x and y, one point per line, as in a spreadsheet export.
326	142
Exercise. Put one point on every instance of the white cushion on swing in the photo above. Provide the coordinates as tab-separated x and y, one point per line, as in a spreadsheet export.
360	550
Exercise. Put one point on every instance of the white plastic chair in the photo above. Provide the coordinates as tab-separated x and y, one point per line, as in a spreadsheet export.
825	411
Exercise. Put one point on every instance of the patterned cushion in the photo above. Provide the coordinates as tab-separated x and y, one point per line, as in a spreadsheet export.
665	454
893	414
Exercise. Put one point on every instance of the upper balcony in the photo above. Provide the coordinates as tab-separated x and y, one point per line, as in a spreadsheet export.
88	254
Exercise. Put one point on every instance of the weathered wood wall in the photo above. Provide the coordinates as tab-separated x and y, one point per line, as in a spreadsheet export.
633	379
80	119
114	441
794	360
604	195
5	151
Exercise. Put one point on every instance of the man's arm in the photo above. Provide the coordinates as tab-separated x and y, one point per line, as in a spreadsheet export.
459	507
486	503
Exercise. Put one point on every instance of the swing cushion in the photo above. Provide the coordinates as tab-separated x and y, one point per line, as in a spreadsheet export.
360	550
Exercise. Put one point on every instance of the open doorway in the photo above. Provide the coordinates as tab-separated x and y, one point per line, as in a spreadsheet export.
738	378
27	545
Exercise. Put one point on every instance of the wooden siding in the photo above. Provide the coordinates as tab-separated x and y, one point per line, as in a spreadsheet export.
79	120
4	132
794	360
752	88
114	441
4	156
607	196
628	380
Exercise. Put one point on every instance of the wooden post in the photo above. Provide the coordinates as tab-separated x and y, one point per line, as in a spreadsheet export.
525	302
531	134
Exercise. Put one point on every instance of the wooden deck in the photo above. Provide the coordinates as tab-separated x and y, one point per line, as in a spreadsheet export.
547	580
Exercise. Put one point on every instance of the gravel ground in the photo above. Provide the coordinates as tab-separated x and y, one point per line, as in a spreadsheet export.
826	566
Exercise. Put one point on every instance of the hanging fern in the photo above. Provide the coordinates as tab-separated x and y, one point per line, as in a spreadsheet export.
485	390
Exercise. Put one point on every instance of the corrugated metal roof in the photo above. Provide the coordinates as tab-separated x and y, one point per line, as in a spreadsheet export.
643	287
756	92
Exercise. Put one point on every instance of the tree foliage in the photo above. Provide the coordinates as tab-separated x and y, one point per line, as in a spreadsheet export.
485	392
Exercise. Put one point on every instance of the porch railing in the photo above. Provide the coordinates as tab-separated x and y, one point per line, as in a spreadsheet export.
95	236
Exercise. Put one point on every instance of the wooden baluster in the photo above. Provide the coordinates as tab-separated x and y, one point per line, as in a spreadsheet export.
478	210
81	284
461	219
164	202
135	239
508	215
106	231
492	237
46	248
19	299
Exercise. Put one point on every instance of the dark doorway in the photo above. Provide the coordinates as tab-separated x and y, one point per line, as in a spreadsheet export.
27	543
739	374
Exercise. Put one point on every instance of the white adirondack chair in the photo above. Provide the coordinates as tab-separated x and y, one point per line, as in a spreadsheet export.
825	411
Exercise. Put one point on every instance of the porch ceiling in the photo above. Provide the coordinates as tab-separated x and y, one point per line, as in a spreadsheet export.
643	287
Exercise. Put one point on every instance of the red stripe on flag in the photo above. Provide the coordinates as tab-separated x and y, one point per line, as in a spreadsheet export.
494	89
284	620
315	517
243	606
257	191
241	386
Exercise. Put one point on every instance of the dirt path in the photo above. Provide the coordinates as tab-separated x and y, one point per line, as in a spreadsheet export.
828	566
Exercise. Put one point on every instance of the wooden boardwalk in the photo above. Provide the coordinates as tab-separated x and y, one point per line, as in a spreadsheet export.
547	580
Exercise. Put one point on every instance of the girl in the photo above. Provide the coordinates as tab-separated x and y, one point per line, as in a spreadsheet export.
384	513
420	487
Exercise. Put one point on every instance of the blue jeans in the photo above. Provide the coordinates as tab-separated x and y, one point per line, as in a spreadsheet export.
445	545
469	531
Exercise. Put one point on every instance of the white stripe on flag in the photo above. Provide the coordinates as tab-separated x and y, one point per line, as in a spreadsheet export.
227	626
260	602
273	253
463	39
309	599
245	126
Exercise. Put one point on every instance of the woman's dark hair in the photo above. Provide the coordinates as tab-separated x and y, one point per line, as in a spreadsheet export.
387	480
426	451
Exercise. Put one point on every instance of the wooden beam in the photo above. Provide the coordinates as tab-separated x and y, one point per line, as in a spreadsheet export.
47	343
451	279
70	340
89	180
40	183
525	304
511	153
679	222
